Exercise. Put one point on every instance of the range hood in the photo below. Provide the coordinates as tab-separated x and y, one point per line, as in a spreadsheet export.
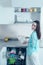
13	31
8	31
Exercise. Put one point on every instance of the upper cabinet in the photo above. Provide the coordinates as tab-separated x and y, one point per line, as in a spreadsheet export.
6	15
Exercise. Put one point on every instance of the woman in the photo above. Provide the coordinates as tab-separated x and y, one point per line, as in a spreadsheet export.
33	45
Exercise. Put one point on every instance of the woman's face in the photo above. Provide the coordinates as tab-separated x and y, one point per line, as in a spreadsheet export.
34	25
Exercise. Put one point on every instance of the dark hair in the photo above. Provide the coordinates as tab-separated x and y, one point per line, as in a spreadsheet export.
38	29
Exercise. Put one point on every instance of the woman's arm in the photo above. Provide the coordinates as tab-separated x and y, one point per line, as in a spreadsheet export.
34	39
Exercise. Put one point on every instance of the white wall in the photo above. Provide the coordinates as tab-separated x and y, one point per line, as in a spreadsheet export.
41	22
21	3
27	3
6	15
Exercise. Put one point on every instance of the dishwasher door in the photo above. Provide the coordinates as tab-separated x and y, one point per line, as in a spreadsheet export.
16	55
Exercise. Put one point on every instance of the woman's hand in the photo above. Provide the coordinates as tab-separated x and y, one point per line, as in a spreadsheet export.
25	42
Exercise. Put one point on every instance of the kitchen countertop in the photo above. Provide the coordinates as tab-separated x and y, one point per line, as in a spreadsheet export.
16	44
11	43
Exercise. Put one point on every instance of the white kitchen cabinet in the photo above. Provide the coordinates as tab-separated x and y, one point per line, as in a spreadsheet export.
6	15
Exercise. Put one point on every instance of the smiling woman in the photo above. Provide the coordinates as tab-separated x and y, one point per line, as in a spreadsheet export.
33	44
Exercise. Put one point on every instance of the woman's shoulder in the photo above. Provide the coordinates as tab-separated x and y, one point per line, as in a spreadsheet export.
34	34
